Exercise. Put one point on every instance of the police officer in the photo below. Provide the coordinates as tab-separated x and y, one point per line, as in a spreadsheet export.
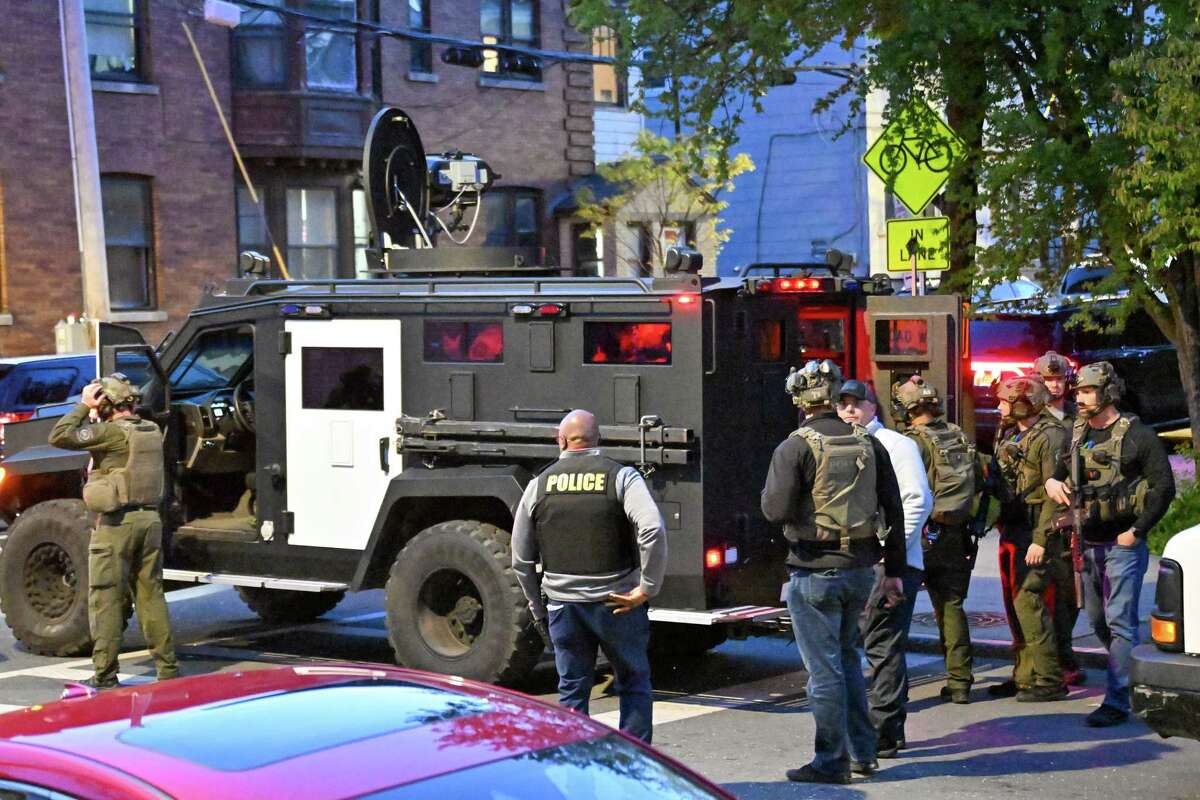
950	462
826	484
885	628
1127	485
600	539
1056	372
124	488
1029	546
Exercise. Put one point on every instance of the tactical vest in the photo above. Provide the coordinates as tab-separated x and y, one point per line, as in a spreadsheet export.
951	473
139	483
1021	475
1107	495
843	505
580	525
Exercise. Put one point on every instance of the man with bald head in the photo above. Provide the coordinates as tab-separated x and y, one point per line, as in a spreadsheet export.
600	539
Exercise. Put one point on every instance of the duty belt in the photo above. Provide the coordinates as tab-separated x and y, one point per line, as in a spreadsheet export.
118	516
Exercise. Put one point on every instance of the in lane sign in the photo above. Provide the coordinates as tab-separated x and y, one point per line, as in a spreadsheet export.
913	155
930	235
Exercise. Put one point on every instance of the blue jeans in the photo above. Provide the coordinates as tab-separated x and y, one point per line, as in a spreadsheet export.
1112	589
577	629
825	606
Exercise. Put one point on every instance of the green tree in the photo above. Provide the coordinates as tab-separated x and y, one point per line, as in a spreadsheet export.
659	185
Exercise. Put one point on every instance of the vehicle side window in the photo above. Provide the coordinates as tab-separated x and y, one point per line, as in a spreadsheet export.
457	341
344	378
768	340
821	338
214	358
50	385
11	790
627	342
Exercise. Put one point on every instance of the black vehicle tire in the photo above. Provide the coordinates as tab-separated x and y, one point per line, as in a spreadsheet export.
287	605
672	641
454	605
44	579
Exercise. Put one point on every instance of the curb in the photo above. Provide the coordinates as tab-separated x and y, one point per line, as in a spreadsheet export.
1089	657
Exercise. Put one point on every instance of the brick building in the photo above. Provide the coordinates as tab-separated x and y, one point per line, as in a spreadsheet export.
299	97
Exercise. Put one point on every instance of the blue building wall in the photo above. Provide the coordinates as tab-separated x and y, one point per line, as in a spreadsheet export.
808	191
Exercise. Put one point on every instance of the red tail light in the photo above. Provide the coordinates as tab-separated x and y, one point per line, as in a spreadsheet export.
988	372
713	557
801	284
687	299
14	416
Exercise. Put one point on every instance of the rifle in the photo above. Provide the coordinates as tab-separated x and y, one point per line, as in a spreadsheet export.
1077	520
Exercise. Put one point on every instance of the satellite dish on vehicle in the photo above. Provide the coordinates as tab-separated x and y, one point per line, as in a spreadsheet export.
395	178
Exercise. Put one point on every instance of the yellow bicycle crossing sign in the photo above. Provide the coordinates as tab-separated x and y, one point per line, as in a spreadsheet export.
914	154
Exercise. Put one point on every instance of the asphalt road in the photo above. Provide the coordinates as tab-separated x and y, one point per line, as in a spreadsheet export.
739	715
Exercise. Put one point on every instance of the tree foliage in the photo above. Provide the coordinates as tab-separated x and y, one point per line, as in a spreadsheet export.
661	182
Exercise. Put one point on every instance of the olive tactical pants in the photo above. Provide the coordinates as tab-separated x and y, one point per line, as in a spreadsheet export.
1061	599
1014	543
126	558
1034	616
947	578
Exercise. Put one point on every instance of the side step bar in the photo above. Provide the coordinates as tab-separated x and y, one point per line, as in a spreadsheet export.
257	581
720	616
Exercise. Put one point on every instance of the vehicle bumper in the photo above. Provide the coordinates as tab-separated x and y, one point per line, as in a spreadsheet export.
1166	691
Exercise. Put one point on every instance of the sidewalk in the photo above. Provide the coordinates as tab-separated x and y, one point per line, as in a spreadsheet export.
985	612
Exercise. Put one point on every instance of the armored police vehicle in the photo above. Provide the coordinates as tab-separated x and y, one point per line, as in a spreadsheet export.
335	436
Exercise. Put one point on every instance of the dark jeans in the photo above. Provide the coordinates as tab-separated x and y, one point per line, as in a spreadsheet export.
826	606
1112	588
885	637
577	629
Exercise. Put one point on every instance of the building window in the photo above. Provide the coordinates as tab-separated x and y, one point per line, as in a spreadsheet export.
456	342
128	234
330	56
420	54
114	39
362	233
608	86
512	217
251	229
312	233
260	49
513	22
585	250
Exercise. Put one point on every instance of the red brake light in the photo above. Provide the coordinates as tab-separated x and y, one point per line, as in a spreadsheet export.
686	299
550	310
801	284
14	416
988	372
713	557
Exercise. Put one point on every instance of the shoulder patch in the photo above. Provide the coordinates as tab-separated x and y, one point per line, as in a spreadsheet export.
85	435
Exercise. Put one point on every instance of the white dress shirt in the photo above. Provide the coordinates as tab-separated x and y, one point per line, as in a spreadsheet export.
914	487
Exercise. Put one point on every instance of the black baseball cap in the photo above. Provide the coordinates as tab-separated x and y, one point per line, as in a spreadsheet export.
859	390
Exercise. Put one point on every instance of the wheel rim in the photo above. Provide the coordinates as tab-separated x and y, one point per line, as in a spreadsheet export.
449	613
50	580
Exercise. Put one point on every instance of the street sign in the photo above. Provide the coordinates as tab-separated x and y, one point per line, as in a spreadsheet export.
929	235
914	154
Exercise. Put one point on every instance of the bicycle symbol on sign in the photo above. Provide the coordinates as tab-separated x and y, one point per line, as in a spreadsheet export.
933	156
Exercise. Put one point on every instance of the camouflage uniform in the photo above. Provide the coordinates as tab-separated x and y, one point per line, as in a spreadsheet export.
125	552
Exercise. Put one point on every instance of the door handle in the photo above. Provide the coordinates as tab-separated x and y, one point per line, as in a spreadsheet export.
383	455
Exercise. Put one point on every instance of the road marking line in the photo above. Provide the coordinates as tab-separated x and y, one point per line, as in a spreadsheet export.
4	709
196	591
664	712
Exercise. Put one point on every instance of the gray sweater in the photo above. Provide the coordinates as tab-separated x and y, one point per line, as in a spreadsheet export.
642	512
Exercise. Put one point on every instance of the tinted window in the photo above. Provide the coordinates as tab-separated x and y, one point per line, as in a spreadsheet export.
1022	338
213	360
821	337
768	339
347	378
601	769
47	385
249	733
627	342
458	341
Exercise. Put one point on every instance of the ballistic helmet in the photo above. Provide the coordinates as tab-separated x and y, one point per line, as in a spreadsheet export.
817	383
1026	395
1103	378
914	393
1052	365
117	389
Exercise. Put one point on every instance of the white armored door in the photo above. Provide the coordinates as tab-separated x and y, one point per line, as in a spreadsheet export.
342	380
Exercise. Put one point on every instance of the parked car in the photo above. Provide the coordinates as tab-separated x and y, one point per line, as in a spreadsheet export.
327	731
1006	343
27	382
